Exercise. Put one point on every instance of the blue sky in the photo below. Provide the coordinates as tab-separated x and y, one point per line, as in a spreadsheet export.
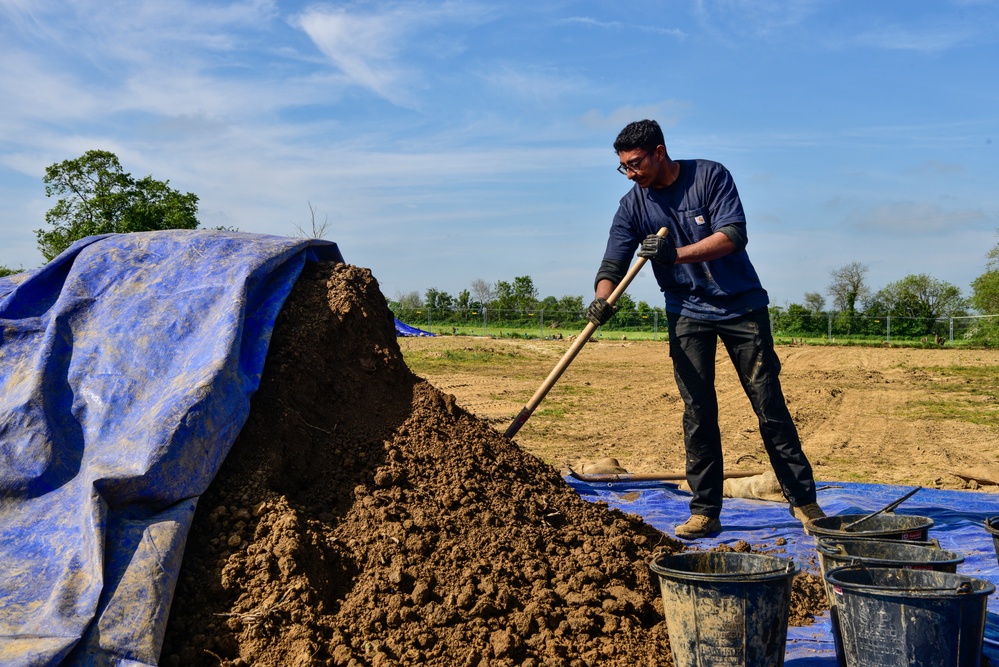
451	141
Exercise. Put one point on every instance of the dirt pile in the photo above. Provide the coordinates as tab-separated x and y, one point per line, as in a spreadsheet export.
363	518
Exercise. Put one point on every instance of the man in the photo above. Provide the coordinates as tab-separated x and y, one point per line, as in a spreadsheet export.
712	291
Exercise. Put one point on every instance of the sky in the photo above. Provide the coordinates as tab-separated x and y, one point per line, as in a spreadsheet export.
448	142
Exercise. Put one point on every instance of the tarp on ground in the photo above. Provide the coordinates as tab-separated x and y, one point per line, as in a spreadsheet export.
127	364
402	329
958	517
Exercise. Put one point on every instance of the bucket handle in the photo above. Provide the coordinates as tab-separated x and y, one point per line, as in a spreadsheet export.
963	588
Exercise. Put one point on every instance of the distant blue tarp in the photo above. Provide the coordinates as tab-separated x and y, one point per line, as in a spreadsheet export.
402	329
958	517
127	364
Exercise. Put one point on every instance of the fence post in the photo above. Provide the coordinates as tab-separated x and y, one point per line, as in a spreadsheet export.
889	328
655	325
485	329
829	335
541	319
952	330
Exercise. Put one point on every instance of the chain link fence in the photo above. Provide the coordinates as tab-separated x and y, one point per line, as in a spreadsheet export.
982	330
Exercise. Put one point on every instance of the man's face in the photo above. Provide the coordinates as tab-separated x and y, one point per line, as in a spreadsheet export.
639	165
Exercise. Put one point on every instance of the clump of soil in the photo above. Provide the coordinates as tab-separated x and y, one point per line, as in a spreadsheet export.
363	518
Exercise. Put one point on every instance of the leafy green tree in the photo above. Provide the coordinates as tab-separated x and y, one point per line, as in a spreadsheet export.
525	294
918	296
985	288
571	304
97	197
625	304
7	271
549	304
438	300
985	293
504	298
463	302
814	302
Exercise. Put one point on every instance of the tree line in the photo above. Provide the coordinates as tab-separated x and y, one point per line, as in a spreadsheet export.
917	303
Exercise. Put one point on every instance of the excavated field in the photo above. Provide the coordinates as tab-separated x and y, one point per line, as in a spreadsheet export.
363	517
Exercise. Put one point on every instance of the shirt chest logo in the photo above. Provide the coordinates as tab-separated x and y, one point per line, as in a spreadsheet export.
699	219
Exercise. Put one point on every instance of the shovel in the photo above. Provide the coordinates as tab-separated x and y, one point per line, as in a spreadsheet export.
607	478
574	349
887	508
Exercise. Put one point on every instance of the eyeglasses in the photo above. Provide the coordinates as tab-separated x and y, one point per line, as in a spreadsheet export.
632	165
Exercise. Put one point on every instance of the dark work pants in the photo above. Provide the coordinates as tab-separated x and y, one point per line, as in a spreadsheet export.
692	346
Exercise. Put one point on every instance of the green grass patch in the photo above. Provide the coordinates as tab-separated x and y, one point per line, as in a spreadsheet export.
963	393
466	358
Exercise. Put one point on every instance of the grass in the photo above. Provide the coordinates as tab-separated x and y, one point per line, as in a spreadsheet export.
779	339
474	356
965	393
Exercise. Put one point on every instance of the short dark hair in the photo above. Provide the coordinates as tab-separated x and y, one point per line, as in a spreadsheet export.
644	134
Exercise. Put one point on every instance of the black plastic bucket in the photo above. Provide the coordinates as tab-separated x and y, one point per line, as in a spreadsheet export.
726	608
896	617
992	525
837	552
887	526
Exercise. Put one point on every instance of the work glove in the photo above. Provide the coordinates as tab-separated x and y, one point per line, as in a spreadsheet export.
659	249
599	311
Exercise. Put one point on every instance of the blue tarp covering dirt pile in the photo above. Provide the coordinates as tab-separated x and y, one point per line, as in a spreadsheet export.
127	365
958	518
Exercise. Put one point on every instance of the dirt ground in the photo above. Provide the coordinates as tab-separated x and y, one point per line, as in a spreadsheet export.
364	517
873	414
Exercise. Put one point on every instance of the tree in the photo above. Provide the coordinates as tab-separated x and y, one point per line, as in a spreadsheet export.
525	294
463	302
985	288
848	286
626	304
7	271
98	197
918	296
504	296
985	293
483	292
814	302
318	230
548	304
438	300
571	304
409	300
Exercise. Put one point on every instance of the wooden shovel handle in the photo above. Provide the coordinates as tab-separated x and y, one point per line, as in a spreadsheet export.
574	349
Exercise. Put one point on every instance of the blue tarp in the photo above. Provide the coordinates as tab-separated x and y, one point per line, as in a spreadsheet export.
402	329
127	364
958	517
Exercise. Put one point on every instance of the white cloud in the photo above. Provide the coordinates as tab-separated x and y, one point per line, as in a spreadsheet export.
915	218
667	113
915	38
364	48
534	83
626	27
374	50
733	19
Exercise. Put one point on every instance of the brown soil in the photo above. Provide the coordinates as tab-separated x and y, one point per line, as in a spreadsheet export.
363	517
869	414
